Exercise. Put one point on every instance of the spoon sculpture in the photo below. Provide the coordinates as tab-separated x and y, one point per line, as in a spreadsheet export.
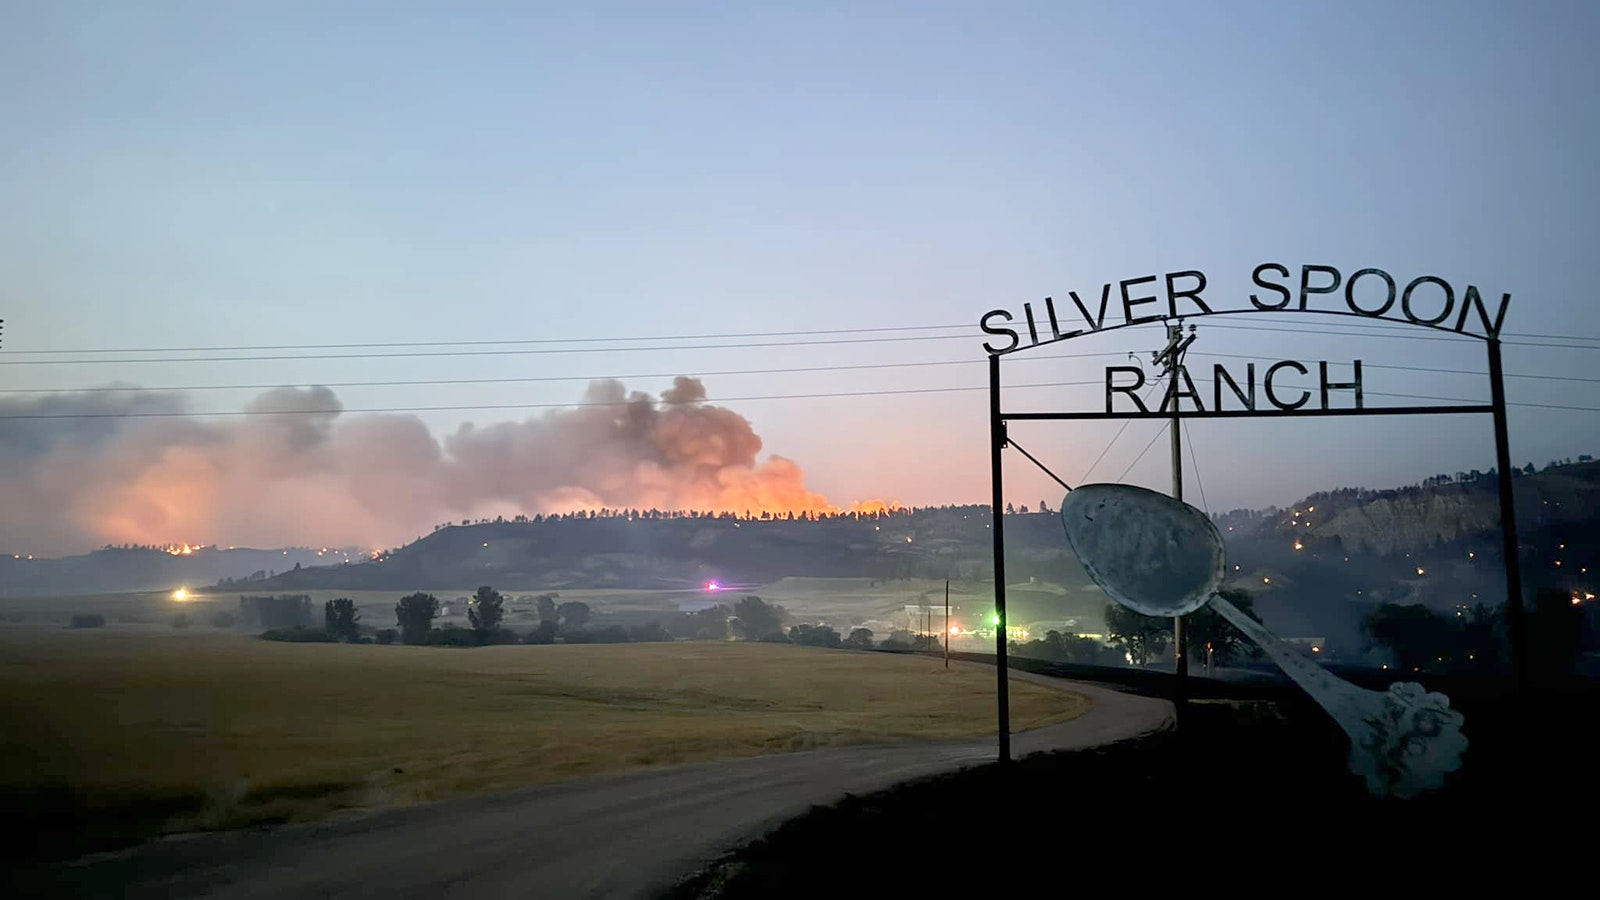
1162	557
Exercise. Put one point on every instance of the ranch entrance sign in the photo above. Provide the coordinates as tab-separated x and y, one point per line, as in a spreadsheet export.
1424	301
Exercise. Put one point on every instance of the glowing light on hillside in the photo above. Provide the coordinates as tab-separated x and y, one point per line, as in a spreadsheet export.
1311	509
713	586
1421	571
183	549
1265	580
1299	546
954	630
1471	555
994	619
181	595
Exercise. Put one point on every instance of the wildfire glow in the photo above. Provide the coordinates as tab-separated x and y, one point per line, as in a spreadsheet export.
869	507
183	549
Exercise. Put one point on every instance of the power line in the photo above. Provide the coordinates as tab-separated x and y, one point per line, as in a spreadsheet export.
488	406
430	353
1162	430
1368	365
1194	463
599	340
1376	324
1114	438
529	379
704	374
1396	336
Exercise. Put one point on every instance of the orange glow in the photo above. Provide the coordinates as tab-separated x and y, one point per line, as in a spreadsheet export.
867	507
184	549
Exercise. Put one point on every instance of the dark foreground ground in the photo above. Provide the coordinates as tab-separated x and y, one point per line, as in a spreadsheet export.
1245	795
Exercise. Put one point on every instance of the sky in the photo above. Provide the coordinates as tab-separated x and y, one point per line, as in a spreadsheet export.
191	175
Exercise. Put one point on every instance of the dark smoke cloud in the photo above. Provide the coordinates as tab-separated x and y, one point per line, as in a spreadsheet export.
331	478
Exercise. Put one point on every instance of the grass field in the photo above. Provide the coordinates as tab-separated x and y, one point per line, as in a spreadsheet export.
133	731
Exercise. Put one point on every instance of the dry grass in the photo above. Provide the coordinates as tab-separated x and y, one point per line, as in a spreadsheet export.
213	730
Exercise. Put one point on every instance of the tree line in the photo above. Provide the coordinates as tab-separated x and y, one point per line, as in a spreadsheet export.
288	618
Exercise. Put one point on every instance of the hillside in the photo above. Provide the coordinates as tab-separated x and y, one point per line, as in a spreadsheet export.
124	569
1314	568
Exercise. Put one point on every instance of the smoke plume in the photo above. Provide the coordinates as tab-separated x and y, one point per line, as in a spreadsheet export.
84	469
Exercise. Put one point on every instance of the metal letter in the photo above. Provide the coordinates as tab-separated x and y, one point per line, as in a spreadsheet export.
1471	300
1322	368
1192	294
1350	292
1256	277
1105	299
984	324
1220	374
1176	392
1129	390
1128	303
1449	300
1266	382
1305	282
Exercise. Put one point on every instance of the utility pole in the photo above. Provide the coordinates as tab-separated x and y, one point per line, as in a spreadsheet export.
1171	360
946	637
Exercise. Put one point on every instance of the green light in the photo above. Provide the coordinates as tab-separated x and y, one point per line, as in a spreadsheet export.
995	619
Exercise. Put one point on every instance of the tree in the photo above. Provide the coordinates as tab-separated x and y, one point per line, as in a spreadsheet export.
547	608
859	639
545	633
1555	634
485	613
651	631
1140	635
415	614
339	619
1228	644
573	613
754	619
709	624
1417	636
815	636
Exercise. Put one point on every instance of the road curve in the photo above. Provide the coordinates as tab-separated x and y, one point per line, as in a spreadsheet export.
620	836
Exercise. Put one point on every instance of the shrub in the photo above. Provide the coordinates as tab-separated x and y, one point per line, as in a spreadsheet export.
451	636
611	634
648	633
387	635
88	620
277	612
544	634
859	639
298	635
223	619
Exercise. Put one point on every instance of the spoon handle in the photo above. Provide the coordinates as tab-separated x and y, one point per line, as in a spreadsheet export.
1402	741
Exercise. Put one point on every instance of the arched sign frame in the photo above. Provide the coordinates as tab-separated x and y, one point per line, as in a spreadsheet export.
1047	317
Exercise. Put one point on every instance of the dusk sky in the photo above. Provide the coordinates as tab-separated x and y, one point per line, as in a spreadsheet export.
191	175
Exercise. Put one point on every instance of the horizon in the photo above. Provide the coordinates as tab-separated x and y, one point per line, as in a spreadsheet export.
804	213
